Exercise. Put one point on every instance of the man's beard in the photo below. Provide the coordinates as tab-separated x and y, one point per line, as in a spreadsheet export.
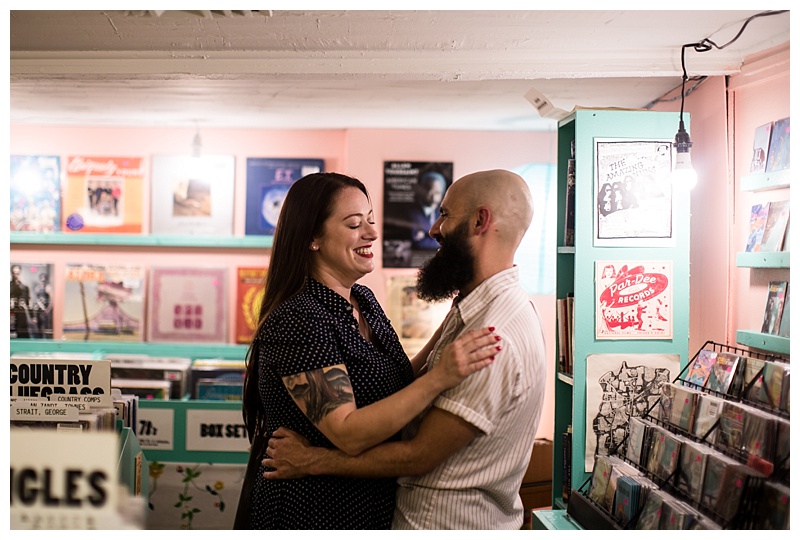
450	270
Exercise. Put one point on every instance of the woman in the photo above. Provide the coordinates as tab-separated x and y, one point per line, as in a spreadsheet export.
326	363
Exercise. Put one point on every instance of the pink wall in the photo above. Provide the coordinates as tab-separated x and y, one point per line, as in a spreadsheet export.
760	95
710	200
358	152
724	298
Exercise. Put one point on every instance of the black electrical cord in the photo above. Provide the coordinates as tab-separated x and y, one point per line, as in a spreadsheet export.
706	45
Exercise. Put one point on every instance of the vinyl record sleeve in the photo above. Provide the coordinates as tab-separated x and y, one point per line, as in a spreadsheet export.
268	181
192	195
187	304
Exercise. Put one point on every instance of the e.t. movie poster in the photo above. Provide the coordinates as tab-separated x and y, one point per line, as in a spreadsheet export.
633	300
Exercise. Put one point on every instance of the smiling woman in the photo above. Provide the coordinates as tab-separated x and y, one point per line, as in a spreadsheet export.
325	361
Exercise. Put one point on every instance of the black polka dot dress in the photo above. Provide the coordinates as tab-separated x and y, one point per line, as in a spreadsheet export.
310	331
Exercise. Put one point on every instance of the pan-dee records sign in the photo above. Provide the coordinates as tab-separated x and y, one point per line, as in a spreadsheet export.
57	484
216	431
156	428
41	376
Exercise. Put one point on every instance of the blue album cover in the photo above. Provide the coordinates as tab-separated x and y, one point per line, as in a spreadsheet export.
268	181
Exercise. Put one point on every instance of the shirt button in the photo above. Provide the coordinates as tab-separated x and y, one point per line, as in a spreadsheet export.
349	307
353	326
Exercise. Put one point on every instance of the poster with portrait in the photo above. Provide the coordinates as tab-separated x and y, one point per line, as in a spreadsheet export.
619	387
414	319
633	193
412	194
633	300
268	181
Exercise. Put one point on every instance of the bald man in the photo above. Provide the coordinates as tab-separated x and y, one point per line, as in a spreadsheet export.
460	463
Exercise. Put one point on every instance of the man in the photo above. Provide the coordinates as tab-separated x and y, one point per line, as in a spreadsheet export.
461	462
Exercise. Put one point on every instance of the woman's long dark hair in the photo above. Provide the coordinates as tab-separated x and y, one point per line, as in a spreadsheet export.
307	206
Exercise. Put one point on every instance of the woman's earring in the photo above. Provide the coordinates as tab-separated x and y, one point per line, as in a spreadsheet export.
314	247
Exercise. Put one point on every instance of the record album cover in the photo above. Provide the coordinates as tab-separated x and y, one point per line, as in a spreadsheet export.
700	368
103	195
709	408
192	195
249	294
775	227
758	163
723	372
35	193
31	299
758	222
779	153
268	181
187	304
104	302
776	294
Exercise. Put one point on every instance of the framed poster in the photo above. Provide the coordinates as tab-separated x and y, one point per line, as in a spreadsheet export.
268	181
619	387
414	319
633	193
412	194
633	300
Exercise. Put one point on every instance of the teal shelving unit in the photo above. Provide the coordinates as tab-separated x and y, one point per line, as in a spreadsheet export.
575	270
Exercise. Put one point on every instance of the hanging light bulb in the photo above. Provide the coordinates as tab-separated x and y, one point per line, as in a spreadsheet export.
197	144
683	177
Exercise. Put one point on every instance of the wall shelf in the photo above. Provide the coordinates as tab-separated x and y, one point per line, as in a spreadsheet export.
765	181
185	350
764	342
763	259
145	240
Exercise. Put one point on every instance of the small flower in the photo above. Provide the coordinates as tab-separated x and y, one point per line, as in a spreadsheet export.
179	469
218	485
156	469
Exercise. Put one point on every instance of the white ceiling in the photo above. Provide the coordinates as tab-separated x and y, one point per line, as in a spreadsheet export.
407	69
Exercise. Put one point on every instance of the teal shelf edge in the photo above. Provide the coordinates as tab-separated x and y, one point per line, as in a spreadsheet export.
145	240
763	259
191	350
764	342
765	181
553	520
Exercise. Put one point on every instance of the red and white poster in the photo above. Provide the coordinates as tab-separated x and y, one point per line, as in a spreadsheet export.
633	300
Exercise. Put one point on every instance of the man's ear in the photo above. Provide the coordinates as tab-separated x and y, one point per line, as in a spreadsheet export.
482	219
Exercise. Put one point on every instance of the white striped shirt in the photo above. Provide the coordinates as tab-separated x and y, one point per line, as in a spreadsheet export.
478	487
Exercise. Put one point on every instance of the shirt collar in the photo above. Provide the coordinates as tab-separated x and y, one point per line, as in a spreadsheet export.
330	299
472	305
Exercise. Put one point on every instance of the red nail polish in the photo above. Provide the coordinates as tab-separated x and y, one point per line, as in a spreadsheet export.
498	347
491	329
497	338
